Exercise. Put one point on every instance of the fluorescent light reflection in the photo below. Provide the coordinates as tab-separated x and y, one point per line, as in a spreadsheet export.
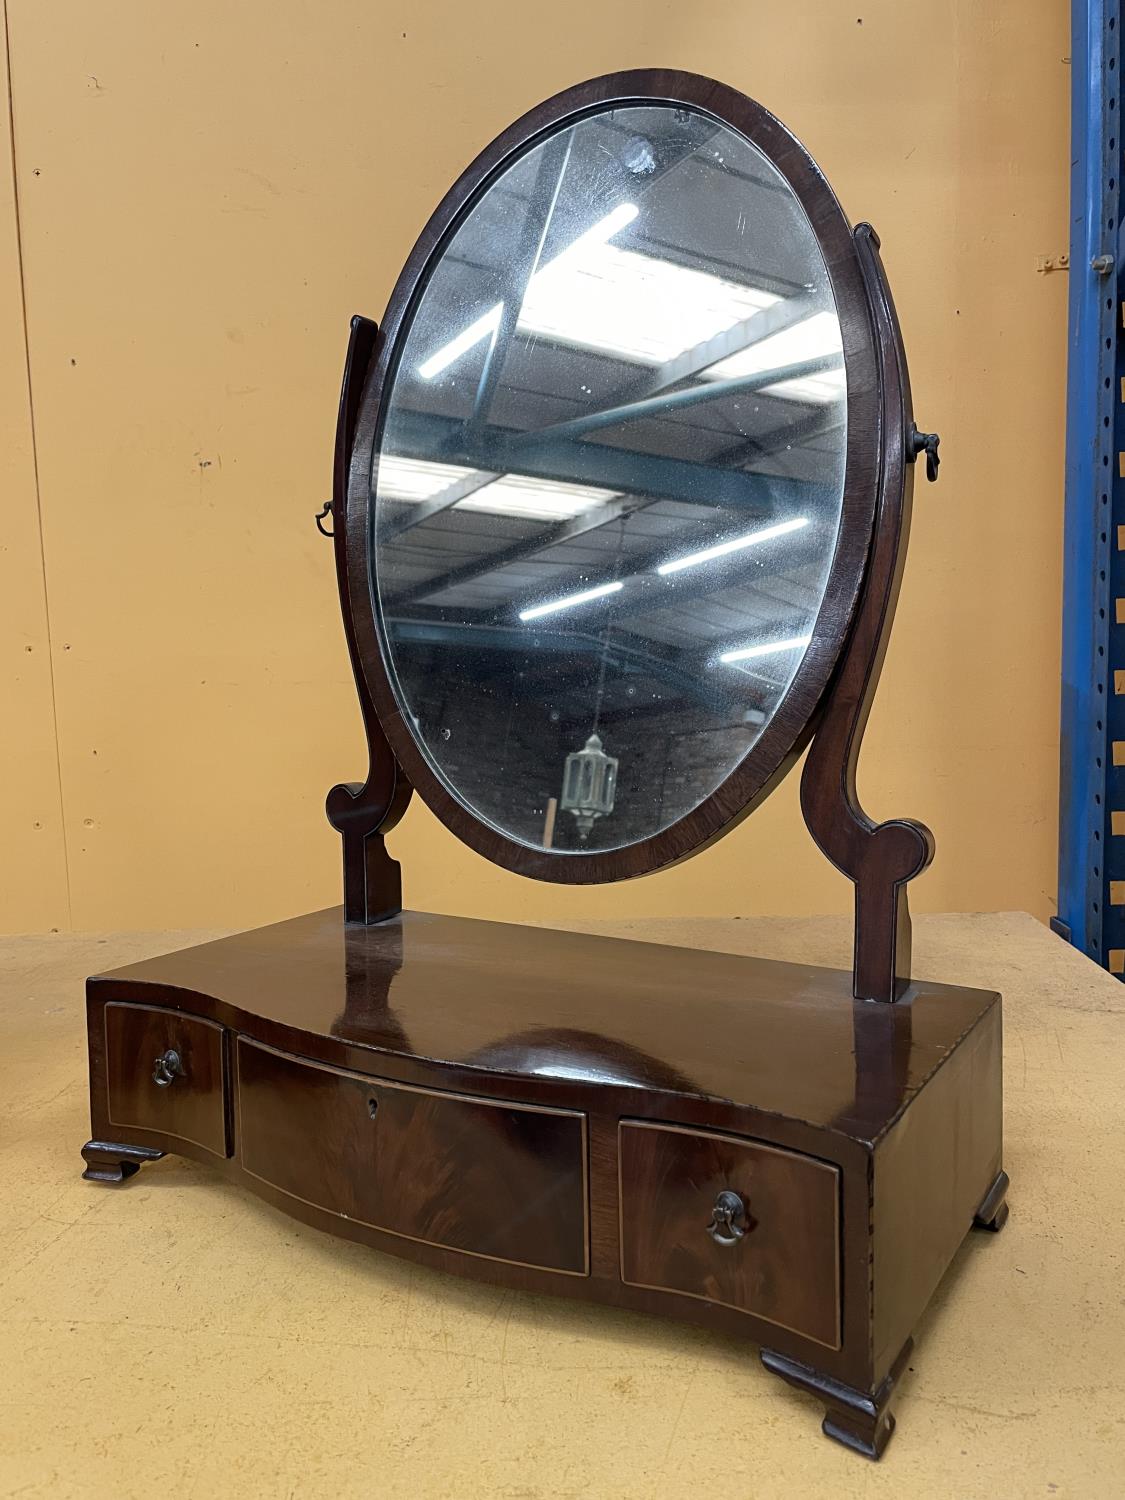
594	295
603	230
811	338
579	1074
449	353
722	549
536	499
570	601
637	307
748	652
414	480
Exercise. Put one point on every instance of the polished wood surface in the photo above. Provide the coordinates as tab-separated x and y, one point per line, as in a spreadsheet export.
362	813
928	1180
190	1103
108	1161
784	1263
860	1419
770	1080
880	858
993	1212
572	1009
486	1178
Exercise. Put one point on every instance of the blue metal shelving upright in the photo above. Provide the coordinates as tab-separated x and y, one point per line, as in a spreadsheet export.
1092	786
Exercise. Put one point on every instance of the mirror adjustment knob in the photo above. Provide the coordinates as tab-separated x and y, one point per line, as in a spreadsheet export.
923	442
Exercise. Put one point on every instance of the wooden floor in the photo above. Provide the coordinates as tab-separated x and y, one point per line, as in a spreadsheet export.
176	1337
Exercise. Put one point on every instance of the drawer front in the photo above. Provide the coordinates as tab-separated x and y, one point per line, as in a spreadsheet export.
774	1252
499	1180
148	1089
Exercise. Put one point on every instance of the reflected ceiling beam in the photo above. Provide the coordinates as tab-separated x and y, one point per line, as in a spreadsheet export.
556	159
756	692
762	325
537	222
642	567
682	589
503	450
647	591
554	536
688	673
540	643
633	714
461	489
818	423
674	401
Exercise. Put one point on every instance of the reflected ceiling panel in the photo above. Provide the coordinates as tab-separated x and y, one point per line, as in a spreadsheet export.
416	478
815	337
411	479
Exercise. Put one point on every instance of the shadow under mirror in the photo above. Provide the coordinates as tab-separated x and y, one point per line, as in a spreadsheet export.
609	479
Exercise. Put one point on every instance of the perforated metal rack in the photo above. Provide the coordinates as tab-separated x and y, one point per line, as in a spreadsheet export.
1092	785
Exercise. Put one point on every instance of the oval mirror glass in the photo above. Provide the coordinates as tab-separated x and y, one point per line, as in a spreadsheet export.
609	477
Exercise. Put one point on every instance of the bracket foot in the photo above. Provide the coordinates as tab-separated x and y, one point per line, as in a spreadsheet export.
861	1420
109	1162
993	1212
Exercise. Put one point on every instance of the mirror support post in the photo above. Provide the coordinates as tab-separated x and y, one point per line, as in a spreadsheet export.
362	812
879	858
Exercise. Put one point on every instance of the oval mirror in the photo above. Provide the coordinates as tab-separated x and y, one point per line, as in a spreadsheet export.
609	475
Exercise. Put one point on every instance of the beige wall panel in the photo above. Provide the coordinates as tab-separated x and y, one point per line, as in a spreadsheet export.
33	864
211	191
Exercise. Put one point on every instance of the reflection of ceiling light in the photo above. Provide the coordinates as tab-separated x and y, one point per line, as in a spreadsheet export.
576	251
748	651
413	480
819	390
636	306
735	545
535	499
588	1071
570	600
809	339
462	343
595	295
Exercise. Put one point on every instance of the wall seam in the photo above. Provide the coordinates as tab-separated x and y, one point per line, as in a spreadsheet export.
35	463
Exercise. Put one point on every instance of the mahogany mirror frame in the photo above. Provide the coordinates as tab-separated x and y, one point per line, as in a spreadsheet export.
829	696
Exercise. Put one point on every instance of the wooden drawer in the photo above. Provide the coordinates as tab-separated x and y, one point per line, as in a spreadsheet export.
494	1179
783	1266
190	1102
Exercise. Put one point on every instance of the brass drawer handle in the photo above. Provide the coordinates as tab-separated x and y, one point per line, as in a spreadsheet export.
728	1219
167	1068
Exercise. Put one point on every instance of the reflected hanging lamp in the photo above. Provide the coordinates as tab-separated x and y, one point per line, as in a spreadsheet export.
589	785
589	774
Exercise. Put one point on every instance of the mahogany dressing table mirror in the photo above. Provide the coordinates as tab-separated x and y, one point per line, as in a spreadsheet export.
622	491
